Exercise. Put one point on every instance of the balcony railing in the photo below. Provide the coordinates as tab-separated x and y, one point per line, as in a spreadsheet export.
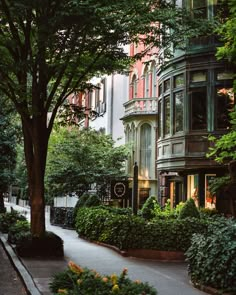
141	106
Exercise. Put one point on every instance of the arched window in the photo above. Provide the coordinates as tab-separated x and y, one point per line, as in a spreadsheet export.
153	80
146	82
145	150
134	87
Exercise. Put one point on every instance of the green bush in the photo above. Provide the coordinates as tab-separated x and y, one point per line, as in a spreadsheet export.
82	200
8	219
127	231
92	201
76	280
189	209
212	256
48	245
150	208
18	231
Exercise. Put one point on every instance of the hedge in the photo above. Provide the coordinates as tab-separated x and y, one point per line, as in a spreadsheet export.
127	231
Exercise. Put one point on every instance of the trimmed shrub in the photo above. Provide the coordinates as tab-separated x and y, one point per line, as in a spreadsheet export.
189	209
18	231
48	245
82	200
92	201
150	208
212	257
133	232
8	219
77	280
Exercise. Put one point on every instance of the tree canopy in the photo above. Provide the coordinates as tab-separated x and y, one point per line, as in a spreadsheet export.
8	141
50	49
86	157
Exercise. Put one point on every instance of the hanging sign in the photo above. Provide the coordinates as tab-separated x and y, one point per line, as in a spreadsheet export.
119	189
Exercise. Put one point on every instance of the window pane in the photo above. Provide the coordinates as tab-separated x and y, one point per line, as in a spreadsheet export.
178	112
199	8
160	89
167	115
198	76
225	75
179	80
145	150
159	119
166	85
199	109
224	105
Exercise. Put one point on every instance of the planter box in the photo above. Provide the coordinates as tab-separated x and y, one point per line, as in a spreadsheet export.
156	254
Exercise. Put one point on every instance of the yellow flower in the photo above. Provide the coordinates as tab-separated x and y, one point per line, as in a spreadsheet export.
114	279
75	268
115	288
105	279
79	282
62	291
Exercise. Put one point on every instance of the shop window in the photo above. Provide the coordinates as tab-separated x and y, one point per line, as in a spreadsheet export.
166	118
210	199
192	188
224	105
178	111
198	114
179	80
145	150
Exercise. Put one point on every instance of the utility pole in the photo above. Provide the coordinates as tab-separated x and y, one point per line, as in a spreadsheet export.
135	190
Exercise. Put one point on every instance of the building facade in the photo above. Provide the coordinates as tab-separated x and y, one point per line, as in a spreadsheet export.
140	124
195	97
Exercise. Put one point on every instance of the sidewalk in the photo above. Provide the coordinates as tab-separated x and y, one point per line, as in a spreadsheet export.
169	278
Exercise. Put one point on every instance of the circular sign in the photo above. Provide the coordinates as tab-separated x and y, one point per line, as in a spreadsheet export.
119	189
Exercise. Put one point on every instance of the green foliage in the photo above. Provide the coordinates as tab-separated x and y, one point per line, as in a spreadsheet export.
189	209
127	231
77	280
150	208
8	219
48	245
212	257
18	231
92	201
8	139
86	157
207	212
226	31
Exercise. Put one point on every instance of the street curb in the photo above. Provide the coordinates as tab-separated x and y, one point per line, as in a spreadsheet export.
20	268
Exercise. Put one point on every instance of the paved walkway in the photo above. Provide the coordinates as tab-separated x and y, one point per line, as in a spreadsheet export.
168	278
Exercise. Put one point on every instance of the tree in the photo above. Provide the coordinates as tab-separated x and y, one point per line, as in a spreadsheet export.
7	149
226	31
50	49
86	157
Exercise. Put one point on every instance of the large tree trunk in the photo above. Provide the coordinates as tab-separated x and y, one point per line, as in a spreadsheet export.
35	147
